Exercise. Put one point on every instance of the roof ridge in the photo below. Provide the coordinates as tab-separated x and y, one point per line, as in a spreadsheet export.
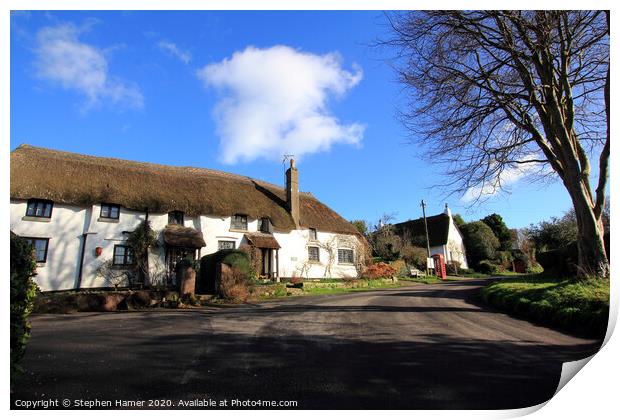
206	171
421	218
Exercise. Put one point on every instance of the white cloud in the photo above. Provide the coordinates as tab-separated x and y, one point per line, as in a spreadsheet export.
274	101
506	178
172	49
62	58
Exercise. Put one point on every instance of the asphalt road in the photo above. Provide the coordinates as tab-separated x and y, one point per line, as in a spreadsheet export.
418	347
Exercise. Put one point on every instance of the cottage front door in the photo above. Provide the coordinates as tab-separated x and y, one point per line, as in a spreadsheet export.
174	255
266	258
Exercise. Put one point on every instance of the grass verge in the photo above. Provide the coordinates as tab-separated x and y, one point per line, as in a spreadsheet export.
367	285
424	280
581	307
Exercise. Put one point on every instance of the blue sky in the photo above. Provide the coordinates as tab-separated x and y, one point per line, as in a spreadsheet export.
235	91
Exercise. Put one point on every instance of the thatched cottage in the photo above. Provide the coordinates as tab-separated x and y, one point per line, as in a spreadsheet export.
77	211
444	236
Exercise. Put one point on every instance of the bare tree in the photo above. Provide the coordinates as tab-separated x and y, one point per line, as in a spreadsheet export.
499	94
114	275
330	246
383	240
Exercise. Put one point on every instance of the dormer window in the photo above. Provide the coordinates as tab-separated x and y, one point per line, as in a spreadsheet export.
39	208
313	236
110	211
176	218
264	225
239	222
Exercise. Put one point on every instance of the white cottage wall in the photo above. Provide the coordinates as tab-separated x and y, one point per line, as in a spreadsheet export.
105	233
455	249
64	231
67	225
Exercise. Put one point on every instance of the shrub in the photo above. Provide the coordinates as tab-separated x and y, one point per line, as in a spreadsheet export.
385	243
480	242
140	240
560	262
379	270
414	255
501	231
582	307
23	294
241	261
535	269
233	285
206	283
505	259
400	267
487	267
453	268
297	280
113	275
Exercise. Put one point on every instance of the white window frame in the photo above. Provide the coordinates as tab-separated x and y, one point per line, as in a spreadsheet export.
318	254
244	224
348	250
220	242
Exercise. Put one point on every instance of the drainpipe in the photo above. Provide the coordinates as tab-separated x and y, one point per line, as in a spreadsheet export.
82	252
145	273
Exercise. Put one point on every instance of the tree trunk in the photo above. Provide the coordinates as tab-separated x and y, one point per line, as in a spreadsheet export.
592	258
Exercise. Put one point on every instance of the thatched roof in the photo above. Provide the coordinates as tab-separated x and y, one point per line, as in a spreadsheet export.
438	228
77	179
186	237
262	240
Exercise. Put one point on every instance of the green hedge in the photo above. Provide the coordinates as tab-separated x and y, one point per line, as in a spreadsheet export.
562	262
23	293
579	306
488	267
232	257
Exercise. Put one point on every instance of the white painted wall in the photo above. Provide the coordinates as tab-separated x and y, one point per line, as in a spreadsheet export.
105	234
64	231
68	223
294	261
454	250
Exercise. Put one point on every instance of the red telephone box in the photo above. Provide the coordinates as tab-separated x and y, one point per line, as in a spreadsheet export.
440	266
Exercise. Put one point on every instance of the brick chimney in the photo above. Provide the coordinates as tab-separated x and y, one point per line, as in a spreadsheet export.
292	192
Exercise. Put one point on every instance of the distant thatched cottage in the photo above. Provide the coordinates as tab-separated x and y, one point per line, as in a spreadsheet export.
77	211
444	236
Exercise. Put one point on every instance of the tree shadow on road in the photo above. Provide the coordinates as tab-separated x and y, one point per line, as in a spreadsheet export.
435	371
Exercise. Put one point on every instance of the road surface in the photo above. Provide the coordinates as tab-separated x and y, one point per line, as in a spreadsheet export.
417	347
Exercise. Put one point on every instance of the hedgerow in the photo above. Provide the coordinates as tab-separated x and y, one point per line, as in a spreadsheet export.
23	293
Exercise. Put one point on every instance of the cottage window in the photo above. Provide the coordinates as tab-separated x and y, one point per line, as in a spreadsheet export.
110	211
239	222
264	225
40	246
312	234
225	245
123	255
313	253
39	208
345	256
176	218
